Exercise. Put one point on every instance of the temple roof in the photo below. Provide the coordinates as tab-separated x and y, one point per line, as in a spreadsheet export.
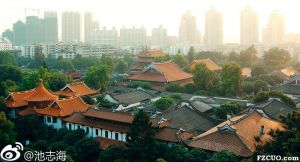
16	99
237	134
152	53
208	62
76	89
40	94
64	107
161	72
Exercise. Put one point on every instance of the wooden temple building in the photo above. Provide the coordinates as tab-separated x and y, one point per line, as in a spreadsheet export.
161	74
145	59
208	62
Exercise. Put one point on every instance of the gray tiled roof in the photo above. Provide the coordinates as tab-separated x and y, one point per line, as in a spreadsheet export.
274	108
188	119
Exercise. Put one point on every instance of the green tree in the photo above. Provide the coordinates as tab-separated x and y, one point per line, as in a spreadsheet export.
175	153
261	96
86	149
221	113
112	153
31	128
121	67
175	87
39	57
191	54
57	80
7	134
164	103
141	138
248	56
196	155
88	100
233	56
203	78
260	85
285	142
223	156
276	58
7	58
9	72
180	60
107	60
258	70
98	76
66	65
231	79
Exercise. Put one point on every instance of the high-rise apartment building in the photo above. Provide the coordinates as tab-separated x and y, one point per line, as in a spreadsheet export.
188	31
159	37
71	26
133	37
50	27
106	37
273	33
88	27
213	28
249	33
34	30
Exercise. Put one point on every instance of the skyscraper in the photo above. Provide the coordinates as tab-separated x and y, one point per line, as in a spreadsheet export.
106	37
34	30
133	37
88	27
159	37
249	27
50	27
213	28
188	32
71	26
273	33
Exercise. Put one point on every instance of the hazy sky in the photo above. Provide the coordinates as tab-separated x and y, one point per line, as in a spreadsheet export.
151	13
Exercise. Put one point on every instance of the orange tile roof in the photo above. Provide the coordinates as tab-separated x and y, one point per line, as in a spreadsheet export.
76	89
208	62
107	114
246	72
16	99
104	142
161	72
152	53
27	111
64	107
241	140
80	119
41	94
288	71
172	134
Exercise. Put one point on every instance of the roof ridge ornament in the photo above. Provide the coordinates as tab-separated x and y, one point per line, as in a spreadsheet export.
227	128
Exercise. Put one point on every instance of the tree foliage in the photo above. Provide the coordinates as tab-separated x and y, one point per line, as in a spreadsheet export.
276	58
164	103
141	138
98	76
203	78
231	79
7	134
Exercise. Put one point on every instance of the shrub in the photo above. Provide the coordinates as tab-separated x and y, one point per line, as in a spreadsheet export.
164	102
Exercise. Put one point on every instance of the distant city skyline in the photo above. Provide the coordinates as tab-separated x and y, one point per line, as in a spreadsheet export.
151	14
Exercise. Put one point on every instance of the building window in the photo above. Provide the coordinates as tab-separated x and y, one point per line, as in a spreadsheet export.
70	126
106	134
77	126
48	119
87	130
54	120
97	132
117	136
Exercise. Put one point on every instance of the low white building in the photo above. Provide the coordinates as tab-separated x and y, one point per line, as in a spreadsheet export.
5	44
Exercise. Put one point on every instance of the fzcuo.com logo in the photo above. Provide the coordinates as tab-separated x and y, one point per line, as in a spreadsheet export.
9	153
